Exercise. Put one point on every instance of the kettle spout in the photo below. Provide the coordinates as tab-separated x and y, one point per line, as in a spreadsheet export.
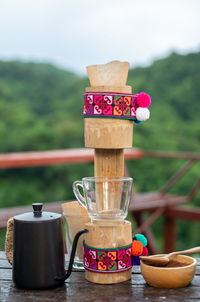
73	252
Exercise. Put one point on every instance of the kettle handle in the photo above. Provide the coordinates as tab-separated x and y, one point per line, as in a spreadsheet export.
71	261
9	240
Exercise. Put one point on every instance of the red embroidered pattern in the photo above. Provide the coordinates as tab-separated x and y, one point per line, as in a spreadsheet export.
107	260
110	104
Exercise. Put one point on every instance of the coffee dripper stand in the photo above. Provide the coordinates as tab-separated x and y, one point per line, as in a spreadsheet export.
108	137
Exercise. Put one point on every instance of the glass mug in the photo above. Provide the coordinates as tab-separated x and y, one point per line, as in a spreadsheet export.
104	198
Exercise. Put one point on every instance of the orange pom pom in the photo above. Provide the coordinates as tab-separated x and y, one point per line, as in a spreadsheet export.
137	248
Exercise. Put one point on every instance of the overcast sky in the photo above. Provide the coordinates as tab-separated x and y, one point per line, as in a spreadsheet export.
76	33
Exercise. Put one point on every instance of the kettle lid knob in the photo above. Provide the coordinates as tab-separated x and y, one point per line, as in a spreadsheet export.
37	209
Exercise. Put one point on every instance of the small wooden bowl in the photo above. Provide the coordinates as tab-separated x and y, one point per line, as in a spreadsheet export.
170	277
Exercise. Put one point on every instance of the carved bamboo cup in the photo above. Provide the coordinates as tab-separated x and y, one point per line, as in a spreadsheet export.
101	133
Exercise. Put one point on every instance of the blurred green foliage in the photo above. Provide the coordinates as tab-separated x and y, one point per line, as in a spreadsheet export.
41	109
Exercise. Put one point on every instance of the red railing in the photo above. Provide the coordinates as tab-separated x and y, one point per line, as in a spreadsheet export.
47	158
157	203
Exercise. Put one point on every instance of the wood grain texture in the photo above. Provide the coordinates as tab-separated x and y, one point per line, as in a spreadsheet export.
109	163
77	288
108	133
112	73
167	277
120	89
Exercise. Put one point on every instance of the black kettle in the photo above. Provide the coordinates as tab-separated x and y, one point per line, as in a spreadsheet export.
38	250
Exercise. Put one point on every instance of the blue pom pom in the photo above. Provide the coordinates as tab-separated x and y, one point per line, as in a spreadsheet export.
142	239
137	122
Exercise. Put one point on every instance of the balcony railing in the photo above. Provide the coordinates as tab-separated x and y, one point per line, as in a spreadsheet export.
159	203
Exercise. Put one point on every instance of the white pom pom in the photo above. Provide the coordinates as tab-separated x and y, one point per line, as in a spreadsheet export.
142	114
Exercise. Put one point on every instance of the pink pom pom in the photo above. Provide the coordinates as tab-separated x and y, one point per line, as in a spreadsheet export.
143	100
145	251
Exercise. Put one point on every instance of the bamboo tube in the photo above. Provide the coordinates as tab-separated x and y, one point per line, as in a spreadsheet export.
109	163
108	137
108	133
108	236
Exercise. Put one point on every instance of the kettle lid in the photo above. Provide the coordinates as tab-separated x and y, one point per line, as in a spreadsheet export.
37	214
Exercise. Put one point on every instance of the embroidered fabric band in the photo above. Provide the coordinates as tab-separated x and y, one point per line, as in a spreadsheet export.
110	104
107	260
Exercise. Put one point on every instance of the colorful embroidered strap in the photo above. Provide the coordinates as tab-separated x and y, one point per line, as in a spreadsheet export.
107	260
116	105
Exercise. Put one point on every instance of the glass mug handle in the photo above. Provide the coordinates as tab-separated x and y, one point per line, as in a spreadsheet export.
77	193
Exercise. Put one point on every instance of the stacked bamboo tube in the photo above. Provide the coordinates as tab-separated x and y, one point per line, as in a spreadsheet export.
108	137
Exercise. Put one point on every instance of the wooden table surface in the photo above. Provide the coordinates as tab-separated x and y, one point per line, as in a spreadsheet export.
77	288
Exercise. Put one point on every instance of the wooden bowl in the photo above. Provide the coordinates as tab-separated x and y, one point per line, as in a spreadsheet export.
170	277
